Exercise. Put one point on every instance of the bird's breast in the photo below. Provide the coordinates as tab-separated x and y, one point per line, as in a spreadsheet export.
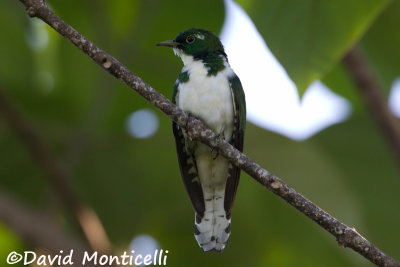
209	98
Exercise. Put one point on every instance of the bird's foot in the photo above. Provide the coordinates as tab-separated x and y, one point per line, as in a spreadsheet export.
187	120
218	139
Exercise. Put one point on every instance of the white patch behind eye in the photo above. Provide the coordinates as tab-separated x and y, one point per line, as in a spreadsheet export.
200	36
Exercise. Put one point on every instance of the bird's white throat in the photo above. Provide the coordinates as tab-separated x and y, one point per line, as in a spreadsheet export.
207	96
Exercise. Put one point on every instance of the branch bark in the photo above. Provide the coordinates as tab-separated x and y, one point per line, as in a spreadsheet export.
371	92
86	218
345	235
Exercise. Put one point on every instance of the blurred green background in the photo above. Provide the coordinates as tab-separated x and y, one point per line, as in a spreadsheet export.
134	184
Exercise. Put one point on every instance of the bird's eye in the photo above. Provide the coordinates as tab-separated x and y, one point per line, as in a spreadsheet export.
190	39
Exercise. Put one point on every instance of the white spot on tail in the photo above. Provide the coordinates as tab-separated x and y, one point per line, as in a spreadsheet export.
213	230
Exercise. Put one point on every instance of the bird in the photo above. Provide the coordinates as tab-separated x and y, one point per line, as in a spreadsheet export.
207	88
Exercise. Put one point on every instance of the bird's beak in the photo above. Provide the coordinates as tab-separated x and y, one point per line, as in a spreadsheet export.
172	44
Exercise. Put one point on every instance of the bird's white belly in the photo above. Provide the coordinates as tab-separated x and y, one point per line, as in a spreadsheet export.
209	98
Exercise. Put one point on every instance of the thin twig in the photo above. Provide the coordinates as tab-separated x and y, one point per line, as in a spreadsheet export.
85	216
372	93
346	236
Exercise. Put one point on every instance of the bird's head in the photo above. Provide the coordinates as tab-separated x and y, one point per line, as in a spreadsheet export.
197	43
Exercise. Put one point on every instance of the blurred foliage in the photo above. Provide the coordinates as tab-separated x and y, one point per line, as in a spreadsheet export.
382	43
8	242
135	185
309	37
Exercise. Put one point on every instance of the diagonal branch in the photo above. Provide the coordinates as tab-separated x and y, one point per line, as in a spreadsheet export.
372	93
346	236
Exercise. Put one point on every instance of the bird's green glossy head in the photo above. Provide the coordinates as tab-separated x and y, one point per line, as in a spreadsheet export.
196	42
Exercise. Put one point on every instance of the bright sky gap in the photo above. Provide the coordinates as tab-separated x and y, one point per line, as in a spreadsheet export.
394	98
144	244
271	96
142	123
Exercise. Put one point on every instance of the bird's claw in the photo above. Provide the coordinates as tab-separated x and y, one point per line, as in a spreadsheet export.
216	156
219	136
187	120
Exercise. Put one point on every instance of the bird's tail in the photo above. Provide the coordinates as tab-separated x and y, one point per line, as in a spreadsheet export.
213	230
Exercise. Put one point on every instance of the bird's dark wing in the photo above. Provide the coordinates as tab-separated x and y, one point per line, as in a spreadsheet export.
187	166
239	104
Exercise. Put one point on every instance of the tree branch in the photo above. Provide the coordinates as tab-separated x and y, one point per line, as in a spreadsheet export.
346	236
35	229
87	219
371	92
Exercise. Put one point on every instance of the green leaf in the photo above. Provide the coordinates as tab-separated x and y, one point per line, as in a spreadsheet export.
339	81
381	46
309	36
